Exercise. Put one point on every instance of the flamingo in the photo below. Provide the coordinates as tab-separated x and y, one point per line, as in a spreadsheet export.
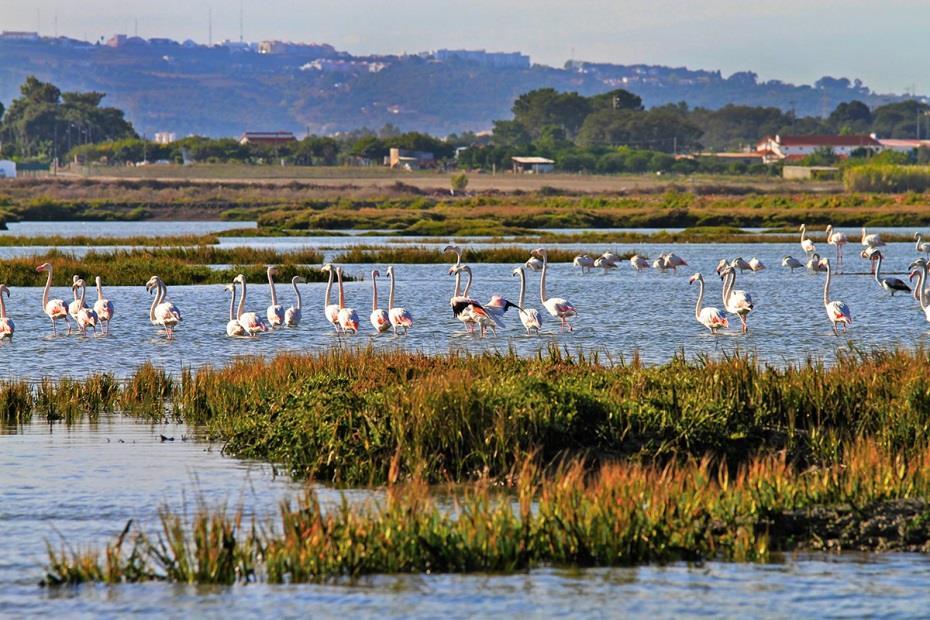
162	311
871	241
638	262
379	316
736	263
892	285
711	318
922	247
85	316
251	321
837	311
275	312
674	261
557	307
659	263
347	317
602	263
584	261
806	244
234	328
103	307
814	263
400	317
533	264
54	309
611	257
455	250
75	304
920	268
6	323
839	241
756	265
736	301
528	316
470	311
292	315
791	263
331	311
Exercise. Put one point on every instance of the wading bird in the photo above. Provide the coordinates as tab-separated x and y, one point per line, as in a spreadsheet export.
234	328
814	264
54	309
638	262
585	262
806	244
251	321
839	241
347	317
735	301
919	268
85	316
528	316
162	311
711	318
791	263
602	263
755	264
330	311
275	312
557	307
292	315
837	311
922	247
6	323
379	317
892	285
533	264
471	311
400	318
103	307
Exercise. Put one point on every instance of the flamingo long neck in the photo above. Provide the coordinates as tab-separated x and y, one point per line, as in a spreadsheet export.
863	234
99	289
48	285
83	292
542	279
3	303
803	230
155	301
274	294
726	287
374	292
296	292
522	287
329	287
458	283
241	310
917	245
232	303
921	281
467	286
878	268
826	286
391	292
700	299
342	295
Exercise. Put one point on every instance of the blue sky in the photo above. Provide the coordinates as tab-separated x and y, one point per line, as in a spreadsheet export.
883	42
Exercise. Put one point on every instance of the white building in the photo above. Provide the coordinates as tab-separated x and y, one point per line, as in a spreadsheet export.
792	148
7	169
903	145
532	165
165	137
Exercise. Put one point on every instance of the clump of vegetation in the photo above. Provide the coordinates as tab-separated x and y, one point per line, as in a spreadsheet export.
83	240
624	514
894	179
422	255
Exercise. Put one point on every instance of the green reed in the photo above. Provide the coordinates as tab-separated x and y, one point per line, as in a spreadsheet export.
423	255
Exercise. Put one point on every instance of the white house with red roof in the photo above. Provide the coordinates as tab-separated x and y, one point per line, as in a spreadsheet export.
792	148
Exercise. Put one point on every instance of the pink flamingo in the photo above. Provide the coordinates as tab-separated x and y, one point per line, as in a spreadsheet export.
54	308
162	311
6	324
399	317
103	307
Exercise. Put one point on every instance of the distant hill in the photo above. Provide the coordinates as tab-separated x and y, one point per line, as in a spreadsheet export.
224	90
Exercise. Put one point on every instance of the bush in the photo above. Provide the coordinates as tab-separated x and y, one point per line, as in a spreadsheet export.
887	179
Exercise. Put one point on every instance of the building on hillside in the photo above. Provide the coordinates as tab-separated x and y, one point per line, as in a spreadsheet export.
165	137
267	137
410	160
7	169
509	60
903	145
532	165
792	148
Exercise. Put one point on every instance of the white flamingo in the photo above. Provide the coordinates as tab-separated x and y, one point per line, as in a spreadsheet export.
54	309
659	263
275	312
292	315
85	316
920	268
922	247
557	307
533	264
330	311
347	317
602	263
639	263
736	302
528	316
400	317
455	250
839	241
234	328
756	265
837	311
379	316
610	256
103	307
251	321
673	261
791	263
806	244
584	262
871	241
75	304
6	323
892	285
468	310
162	312
711	318
814	264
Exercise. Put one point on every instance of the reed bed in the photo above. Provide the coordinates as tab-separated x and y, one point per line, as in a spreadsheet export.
624	514
424	255
84	240
178	265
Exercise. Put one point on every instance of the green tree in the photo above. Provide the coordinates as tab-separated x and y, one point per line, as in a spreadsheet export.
617	100
459	182
851	117
547	106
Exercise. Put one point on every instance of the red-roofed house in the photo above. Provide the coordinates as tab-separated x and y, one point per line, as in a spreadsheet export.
267	137
792	148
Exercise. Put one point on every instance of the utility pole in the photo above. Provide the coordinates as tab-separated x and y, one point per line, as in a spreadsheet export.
210	26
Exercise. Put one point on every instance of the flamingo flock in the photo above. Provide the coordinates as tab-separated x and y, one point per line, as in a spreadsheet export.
476	316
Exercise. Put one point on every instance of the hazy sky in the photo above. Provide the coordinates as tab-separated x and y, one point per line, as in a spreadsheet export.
886	43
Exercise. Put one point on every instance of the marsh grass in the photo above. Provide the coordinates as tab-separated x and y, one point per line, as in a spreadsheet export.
83	240
621	514
422	255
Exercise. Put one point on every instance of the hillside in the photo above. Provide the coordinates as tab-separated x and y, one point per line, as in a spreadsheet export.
216	91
